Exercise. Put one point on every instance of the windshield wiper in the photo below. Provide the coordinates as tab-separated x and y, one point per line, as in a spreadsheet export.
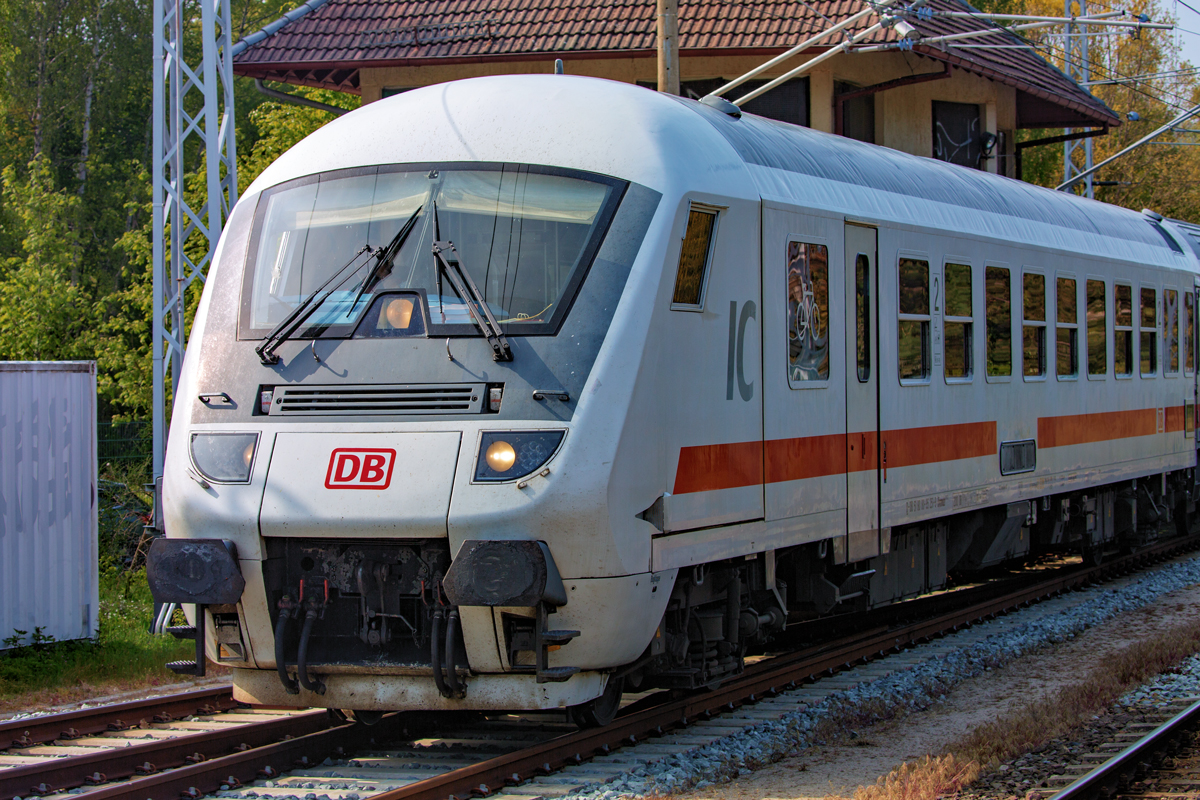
385	258
446	257
292	322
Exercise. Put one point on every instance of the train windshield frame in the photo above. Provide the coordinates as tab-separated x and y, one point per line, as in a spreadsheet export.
527	235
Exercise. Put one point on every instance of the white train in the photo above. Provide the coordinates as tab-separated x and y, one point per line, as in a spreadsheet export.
516	392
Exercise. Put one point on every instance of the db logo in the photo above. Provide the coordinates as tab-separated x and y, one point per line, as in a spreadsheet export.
360	468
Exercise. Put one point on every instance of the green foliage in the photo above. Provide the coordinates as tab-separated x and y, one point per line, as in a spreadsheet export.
43	314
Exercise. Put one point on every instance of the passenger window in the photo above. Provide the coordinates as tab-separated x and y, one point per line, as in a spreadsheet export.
959	321
1148	336
999	321
862	314
1171	329
913	348
808	312
1189	332
694	258
1123	327
1066	358
1097	328
1033	328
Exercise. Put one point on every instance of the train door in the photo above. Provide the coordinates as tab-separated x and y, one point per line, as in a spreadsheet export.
862	393
804	449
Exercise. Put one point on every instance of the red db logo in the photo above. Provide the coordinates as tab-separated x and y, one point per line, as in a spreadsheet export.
360	468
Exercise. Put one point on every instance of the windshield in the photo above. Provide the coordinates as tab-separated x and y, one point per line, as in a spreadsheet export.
525	235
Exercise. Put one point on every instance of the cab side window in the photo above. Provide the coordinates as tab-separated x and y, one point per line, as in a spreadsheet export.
913	346
694	256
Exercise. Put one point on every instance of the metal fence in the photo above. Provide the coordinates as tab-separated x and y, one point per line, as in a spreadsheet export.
124	442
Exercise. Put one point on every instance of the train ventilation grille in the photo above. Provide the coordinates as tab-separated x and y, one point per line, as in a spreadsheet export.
375	400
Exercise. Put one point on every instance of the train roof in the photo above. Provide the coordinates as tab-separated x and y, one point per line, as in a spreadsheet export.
676	145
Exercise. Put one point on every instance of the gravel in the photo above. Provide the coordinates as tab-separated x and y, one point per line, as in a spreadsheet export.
1154	703
916	687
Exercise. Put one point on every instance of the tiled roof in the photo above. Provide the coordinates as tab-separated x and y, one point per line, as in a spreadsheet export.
328	45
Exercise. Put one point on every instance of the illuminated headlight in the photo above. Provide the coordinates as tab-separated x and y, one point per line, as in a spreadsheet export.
224	457
514	454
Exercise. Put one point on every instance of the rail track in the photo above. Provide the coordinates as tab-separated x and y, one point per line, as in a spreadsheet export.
201	742
1159	765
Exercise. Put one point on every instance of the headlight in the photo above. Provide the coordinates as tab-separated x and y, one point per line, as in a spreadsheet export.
224	457
511	455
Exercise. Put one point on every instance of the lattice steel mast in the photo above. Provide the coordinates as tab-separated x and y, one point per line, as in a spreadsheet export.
1078	68
193	121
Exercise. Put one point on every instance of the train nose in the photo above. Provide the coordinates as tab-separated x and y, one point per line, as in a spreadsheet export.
365	484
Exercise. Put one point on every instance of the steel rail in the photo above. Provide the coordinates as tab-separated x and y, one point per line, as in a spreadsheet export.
764	678
1107	778
236	769
641	721
32	731
59	774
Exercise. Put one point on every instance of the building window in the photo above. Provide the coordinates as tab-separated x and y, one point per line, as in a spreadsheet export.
787	102
998	308
1148	338
862	316
1123	329
1171	330
694	256
956	133
1033	327
1097	327
959	322
1066	358
913	348
858	113
808	312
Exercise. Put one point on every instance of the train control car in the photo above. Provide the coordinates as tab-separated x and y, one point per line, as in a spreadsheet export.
520	392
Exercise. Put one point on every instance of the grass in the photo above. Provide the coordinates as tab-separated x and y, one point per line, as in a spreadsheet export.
1038	722
124	656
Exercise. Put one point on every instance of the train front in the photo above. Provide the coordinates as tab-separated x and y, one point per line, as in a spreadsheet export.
387	485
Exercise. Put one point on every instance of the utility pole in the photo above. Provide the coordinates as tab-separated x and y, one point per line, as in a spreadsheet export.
1078	69
668	46
192	121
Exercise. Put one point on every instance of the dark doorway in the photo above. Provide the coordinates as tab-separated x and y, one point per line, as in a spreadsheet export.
956	130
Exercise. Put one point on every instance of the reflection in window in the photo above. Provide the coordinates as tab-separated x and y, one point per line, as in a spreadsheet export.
1123	329
1171	329
1033	329
1097	328
1189	331
913	346
862	314
1066	357
998	307
958	321
693	257
808	312
1148	338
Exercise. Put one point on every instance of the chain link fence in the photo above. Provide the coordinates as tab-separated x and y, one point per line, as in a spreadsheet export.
124	443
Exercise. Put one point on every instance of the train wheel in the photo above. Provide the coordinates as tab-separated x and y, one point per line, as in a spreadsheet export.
601	711
362	717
